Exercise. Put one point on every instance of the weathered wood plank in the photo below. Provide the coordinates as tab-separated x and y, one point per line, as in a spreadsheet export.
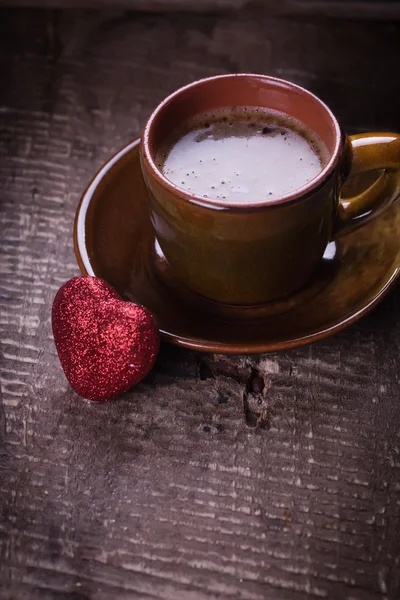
256	477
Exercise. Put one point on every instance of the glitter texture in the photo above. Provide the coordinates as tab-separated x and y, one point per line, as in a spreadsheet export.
105	345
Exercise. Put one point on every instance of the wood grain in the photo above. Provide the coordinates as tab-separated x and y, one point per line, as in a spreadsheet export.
267	477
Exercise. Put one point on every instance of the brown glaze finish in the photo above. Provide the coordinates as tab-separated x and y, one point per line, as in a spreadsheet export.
256	252
255	91
368	152
243	256
114	239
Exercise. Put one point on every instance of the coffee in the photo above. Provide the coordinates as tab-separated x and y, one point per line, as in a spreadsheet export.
241	155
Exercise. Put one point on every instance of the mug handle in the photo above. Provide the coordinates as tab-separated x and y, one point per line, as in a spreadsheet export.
369	152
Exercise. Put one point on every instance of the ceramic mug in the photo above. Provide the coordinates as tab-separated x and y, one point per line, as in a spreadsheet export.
257	252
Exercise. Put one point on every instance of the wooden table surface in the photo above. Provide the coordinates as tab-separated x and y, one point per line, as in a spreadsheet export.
196	484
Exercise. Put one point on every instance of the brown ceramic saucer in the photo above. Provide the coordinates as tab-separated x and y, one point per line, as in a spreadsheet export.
114	240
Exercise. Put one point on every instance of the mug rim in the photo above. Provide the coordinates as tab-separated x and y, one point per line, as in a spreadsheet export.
297	194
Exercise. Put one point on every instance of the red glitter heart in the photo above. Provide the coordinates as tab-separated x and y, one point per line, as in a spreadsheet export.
105	345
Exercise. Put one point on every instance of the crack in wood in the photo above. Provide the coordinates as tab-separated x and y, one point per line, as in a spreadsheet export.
257	411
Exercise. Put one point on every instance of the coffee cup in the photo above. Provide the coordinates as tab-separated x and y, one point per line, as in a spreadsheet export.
261	249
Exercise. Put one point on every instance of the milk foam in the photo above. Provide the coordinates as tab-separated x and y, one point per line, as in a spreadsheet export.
241	156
